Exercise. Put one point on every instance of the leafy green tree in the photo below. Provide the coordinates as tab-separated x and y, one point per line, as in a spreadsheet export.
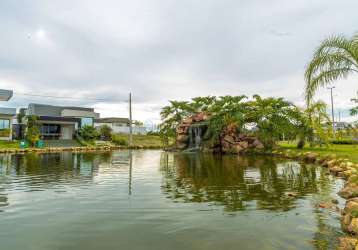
203	104
226	110
32	134
274	117
335	58
172	115
88	132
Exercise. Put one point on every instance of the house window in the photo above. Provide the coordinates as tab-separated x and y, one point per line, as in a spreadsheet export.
4	124
120	125
86	121
50	129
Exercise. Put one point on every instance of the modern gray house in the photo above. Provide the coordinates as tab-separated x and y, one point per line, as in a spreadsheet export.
61	122
6	116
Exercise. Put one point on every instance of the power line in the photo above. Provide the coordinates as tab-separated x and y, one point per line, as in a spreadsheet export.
68	97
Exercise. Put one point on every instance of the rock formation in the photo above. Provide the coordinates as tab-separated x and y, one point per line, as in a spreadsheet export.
234	142
191	131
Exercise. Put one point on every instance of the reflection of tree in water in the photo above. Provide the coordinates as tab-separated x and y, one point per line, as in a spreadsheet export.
326	235
239	182
3	199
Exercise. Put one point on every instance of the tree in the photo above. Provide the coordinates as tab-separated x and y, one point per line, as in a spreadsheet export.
32	134
172	115
274	117
317	118
335	58
105	132
88	133
226	110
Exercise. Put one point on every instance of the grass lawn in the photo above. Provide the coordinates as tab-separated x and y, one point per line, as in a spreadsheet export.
143	140
342	151
9	144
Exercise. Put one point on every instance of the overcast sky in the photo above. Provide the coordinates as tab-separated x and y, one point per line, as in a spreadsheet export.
166	49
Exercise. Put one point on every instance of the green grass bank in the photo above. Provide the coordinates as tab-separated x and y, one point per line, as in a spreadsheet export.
349	152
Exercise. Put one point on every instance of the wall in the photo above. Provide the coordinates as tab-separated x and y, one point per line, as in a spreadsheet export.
79	113
124	129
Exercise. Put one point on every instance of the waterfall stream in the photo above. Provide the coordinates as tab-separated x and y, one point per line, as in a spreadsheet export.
195	137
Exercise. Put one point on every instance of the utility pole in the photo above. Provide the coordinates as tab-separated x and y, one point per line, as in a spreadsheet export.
333	126
130	121
339	115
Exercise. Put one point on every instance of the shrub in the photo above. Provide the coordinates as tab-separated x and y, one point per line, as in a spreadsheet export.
344	141
4	132
118	140
88	133
32	135
105	132
32	132
354	213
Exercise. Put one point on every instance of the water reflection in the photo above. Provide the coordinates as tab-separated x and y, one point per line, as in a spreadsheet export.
175	201
37	172
240	183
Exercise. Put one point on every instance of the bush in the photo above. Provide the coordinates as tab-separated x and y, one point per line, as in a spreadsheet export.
4	132
105	132
88	133
344	142
32	135
154	133
118	140
32	132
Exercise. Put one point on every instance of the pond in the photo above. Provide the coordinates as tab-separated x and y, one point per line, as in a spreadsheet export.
156	200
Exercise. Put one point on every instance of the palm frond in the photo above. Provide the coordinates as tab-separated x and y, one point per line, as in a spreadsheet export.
335	58
324	79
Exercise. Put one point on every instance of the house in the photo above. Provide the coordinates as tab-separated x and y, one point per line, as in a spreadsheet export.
341	125
6	116
60	122
120	125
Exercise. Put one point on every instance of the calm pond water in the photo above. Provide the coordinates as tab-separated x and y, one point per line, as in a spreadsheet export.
156	200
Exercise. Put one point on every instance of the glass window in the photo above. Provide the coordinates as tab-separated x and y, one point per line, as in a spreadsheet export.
4	124
50	129
86	121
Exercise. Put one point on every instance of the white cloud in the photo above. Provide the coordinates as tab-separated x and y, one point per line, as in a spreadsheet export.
164	49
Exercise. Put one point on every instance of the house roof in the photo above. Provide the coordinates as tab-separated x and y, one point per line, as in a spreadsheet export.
51	110
5	95
112	120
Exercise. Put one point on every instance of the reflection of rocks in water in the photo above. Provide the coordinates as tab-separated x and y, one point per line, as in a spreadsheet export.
239	183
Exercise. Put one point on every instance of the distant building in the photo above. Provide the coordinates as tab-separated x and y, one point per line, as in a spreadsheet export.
341	125
61	122
120	125
6	116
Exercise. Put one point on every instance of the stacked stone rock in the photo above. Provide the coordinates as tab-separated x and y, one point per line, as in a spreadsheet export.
232	142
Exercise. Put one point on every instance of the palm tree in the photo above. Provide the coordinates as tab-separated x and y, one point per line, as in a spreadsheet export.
317	118
335	58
